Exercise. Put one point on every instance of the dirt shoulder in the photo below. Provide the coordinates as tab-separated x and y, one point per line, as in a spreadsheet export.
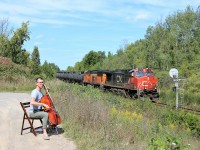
11	116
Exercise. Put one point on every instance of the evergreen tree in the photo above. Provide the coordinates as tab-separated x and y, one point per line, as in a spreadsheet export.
109	54
35	57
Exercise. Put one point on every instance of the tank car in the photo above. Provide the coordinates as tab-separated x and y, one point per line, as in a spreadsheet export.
71	77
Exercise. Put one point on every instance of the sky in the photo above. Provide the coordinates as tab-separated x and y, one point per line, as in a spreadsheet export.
66	30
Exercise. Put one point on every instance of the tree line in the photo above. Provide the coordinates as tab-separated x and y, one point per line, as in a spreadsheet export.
171	43
11	46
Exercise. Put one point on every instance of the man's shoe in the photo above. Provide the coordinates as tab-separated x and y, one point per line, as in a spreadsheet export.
46	137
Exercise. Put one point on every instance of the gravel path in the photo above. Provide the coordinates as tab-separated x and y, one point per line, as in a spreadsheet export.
11	116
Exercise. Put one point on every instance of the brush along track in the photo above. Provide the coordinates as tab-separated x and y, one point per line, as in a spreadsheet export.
197	112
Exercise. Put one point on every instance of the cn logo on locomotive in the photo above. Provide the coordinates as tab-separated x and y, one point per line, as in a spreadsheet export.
119	78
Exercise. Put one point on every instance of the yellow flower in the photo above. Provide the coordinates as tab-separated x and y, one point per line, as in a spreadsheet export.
188	130
140	117
171	125
114	111
127	113
134	114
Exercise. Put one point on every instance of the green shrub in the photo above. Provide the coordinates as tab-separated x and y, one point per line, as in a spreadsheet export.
167	142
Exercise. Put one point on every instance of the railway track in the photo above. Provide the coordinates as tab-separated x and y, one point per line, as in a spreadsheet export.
197	112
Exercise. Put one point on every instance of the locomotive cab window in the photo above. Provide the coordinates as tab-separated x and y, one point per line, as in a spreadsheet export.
149	74
139	74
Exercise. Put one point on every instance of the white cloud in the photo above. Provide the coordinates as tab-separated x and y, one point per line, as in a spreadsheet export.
141	16
39	36
77	12
37	44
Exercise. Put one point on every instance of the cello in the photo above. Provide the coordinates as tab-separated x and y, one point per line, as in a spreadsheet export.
54	117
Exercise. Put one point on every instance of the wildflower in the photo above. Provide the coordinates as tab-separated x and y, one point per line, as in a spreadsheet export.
114	111
134	114
127	113
188	129
171	126
140	117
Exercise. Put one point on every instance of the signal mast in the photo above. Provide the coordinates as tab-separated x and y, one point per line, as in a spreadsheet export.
174	75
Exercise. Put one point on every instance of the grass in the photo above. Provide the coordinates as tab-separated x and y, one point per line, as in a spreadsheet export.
16	83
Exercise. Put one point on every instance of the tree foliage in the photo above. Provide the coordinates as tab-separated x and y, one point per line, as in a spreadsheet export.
11	46
49	69
16	43
168	44
91	60
35	57
11	42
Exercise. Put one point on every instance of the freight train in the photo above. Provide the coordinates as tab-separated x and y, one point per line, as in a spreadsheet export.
132	83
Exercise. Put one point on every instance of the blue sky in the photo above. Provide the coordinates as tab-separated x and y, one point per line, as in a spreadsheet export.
66	30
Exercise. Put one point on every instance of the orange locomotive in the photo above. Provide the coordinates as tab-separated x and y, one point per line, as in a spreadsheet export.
132	83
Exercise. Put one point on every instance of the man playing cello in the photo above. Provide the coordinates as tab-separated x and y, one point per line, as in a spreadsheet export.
35	110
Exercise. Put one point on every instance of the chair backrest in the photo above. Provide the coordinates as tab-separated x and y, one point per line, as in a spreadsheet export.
25	106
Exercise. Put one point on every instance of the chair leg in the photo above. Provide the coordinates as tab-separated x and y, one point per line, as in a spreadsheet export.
22	124
33	129
31	124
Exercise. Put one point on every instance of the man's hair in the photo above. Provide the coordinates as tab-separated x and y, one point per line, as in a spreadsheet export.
36	80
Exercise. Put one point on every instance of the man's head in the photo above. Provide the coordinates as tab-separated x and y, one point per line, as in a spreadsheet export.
39	82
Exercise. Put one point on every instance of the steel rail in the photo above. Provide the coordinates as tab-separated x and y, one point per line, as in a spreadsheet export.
197	112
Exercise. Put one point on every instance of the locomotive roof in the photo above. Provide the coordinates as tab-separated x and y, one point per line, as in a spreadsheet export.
117	71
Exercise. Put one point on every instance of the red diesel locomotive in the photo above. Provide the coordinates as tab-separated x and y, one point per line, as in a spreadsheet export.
132	83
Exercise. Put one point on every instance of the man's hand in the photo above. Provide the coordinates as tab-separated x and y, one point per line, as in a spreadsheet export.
45	105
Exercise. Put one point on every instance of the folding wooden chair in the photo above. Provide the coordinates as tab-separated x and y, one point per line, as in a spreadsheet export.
30	119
